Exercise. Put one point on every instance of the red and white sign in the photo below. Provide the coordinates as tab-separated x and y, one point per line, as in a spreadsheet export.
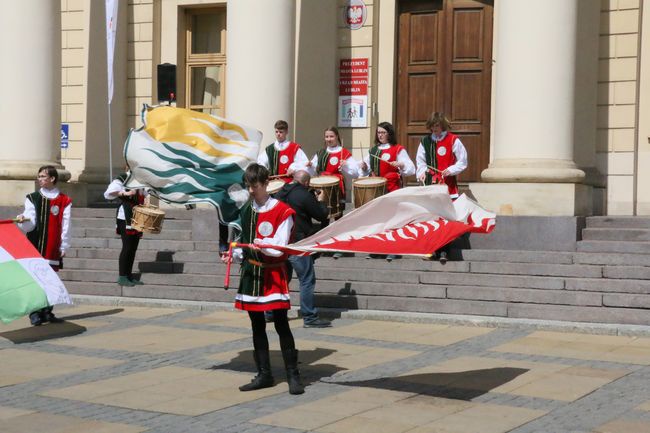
355	14
353	92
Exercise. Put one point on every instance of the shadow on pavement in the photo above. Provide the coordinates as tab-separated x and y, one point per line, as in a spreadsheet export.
92	314
464	385
48	331
309	374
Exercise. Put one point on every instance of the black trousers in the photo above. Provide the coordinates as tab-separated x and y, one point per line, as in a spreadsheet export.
129	248
281	322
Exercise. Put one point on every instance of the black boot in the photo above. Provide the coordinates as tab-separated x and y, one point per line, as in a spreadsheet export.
264	378
290	357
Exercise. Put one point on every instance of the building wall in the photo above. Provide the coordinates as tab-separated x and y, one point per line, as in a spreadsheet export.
617	102
140	58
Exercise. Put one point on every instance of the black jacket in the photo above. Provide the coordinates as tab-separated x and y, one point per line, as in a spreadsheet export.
307	208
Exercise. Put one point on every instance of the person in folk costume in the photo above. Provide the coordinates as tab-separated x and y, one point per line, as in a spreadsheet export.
46	220
129	198
264	279
334	160
283	157
389	160
441	157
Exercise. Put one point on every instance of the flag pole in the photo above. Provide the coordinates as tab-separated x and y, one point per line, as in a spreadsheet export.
110	145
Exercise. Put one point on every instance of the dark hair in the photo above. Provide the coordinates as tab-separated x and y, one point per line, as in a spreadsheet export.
282	125
335	130
51	171
391	132
256	174
438	118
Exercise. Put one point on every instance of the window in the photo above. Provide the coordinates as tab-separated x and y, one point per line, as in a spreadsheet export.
205	60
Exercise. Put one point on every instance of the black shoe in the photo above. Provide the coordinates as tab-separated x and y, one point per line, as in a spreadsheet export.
135	282
264	378
443	258
337	256
50	317
35	319
290	357
317	323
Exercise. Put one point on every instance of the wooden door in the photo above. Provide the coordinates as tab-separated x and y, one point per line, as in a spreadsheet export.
444	64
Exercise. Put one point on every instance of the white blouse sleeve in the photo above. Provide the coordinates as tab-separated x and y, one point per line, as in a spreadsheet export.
421	161
30	214
403	158
281	237
350	167
461	158
300	161
65	229
114	188
263	159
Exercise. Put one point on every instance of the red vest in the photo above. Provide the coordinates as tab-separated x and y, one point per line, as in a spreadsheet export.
392	175
330	163
445	158
279	162
46	237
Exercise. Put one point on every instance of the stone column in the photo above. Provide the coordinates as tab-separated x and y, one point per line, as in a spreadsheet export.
533	170
261	63
31	99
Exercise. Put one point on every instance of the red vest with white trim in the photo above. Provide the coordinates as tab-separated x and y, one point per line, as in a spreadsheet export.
385	170
46	237
279	161
444	158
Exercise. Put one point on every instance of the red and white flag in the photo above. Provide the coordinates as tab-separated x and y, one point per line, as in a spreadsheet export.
412	221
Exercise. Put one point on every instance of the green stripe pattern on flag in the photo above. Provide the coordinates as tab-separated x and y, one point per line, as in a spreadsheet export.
27	282
187	157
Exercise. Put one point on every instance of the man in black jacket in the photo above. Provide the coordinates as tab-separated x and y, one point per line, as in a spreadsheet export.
308	207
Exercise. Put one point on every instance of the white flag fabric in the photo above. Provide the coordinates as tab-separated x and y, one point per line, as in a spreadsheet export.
186	157
111	27
409	221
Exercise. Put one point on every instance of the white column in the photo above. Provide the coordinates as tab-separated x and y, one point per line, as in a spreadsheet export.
261	63
533	159
30	111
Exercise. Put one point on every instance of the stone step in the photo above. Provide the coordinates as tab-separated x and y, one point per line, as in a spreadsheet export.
143	255
86	212
517	256
616	234
537	269
613	247
169	235
147	244
612	259
109	223
108	276
618	222
610	285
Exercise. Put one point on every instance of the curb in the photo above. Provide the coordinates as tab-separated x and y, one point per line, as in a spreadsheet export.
391	316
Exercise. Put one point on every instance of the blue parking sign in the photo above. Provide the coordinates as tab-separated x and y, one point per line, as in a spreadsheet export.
65	128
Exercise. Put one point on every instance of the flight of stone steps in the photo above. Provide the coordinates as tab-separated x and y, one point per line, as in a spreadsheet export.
607	280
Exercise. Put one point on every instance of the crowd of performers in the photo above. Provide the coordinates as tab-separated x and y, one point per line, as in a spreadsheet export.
266	220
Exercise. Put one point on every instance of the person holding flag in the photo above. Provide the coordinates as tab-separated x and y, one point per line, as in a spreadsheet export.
46	220
441	156
283	157
264	281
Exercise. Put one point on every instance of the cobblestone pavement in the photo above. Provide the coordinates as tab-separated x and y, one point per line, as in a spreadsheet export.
126	369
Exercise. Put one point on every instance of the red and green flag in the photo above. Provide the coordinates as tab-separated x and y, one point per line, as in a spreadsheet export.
27	282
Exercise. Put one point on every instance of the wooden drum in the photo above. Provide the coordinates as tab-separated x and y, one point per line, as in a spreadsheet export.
367	188
275	185
147	219
332	193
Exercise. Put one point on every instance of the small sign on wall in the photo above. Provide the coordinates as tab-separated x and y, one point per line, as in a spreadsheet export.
354	14
65	134
353	93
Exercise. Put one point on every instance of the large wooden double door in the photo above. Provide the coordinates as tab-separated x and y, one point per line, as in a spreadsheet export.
444	64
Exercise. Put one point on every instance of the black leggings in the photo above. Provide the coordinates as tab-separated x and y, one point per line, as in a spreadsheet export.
129	248
281	322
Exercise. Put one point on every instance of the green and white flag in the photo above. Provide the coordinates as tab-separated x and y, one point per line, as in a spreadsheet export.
187	157
27	282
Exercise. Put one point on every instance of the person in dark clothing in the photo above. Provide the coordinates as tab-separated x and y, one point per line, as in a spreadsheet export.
308	207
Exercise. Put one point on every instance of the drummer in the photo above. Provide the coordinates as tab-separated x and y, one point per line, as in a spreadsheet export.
387	159
283	157
334	160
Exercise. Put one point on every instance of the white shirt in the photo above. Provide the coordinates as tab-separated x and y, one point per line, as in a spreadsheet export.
30	213
349	167
113	191
402	157
299	160
281	236
459	152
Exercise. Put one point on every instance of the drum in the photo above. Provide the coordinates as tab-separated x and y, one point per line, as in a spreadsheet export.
366	188
275	185
147	219
330	187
